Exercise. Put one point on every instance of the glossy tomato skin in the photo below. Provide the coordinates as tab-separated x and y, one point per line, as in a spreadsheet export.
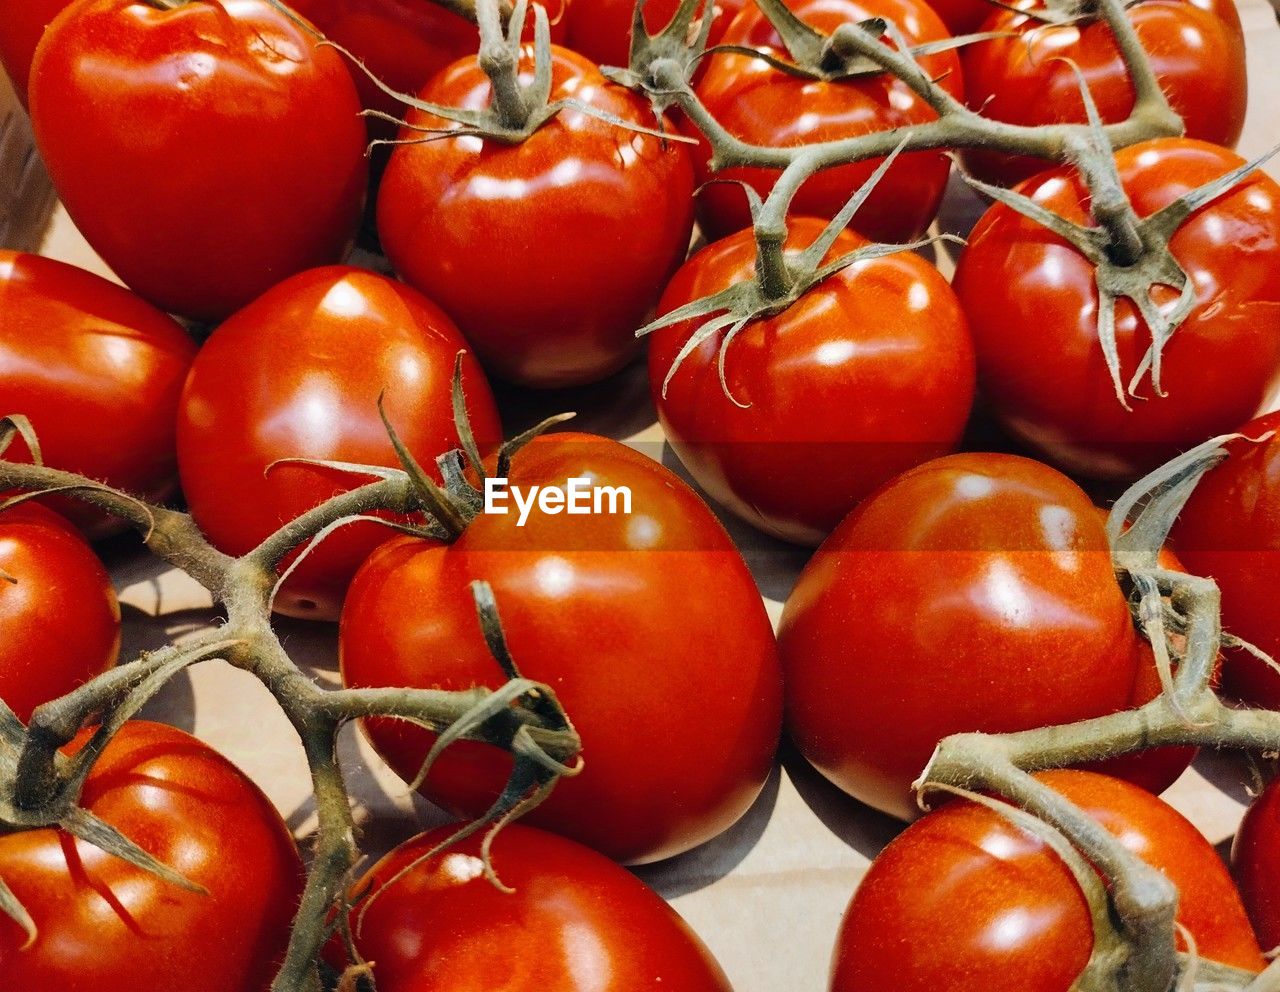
22	22
600	608
1196	49
77	350
551	253
297	374
1230	532
1028	295
576	922
1255	863
765	106
59	621
106	924
601	29
868	375
226	152
964	901
974	592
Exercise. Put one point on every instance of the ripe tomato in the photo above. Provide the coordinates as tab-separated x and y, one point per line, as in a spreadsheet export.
1028	295
22	22
1196	49
550	253
59	621
589	605
297	374
76	350
106	924
1230	531
765	106
1255	862
576	922
249	167
964	901
869	374
972	593
601	29
962	16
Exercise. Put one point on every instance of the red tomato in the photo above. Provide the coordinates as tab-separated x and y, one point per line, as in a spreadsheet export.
1255	861
972	593
22	22
765	106
601	608
962	16
106	924
575	923
549	254
225	152
1028	294
1195	47
59	621
75	351
601	29
964	901
1230	532
869	374
297	374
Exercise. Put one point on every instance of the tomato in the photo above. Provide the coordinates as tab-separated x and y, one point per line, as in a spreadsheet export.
765	106
964	901
972	593
22	22
549	254
1196	49
97	371
575	923
869	374
1255	862
601	29
297	374
1028	295
59	621
106	924
601	608
962	16
250	166
1230	532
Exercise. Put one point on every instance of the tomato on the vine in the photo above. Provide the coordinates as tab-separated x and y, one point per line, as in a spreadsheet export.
298	374
59	619
965	901
646	624
974	592
1195	48
1255	862
962	16
226	150
22	22
103	923
765	106
98	372
868	374
549	253
601	29
1032	304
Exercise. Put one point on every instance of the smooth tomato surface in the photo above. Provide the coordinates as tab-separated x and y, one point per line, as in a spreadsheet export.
59	619
648	627
867	375
575	923
98	372
205	152
1230	531
972	593
1029	295
22	22
964	901
1196	50
548	254
297	374
106	924
765	106
1255	862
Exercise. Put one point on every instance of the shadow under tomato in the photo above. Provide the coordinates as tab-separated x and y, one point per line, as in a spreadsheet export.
857	825
618	407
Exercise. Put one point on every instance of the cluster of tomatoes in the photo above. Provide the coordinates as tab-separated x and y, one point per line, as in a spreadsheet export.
213	154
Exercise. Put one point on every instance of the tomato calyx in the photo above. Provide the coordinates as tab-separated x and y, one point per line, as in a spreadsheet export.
661	63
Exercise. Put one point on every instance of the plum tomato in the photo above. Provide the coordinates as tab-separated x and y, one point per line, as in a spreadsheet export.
297	374
548	254
105	924
646	624
965	901
868	374
1032	304
1255	862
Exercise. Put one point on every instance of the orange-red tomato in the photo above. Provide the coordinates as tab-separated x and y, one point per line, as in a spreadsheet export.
1255	862
22	22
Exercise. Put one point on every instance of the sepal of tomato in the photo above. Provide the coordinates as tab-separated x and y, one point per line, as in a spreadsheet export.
601	29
